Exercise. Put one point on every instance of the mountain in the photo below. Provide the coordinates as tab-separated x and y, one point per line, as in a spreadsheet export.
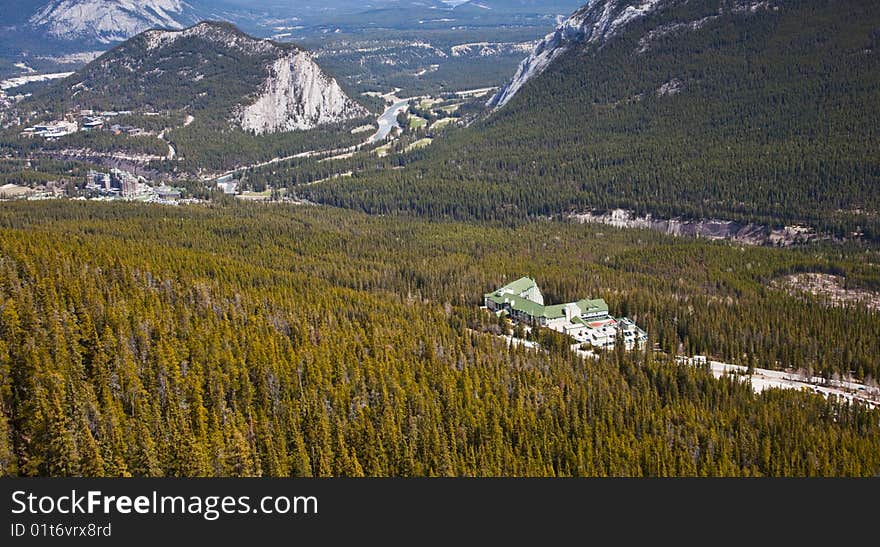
214	71
756	111
57	27
298	95
110	21
597	22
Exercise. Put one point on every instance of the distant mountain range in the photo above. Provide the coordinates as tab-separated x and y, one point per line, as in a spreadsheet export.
58	26
110	21
63	26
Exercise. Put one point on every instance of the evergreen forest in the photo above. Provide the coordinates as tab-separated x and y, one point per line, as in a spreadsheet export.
247	340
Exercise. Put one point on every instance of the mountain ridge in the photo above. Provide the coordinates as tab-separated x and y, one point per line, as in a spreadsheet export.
597	22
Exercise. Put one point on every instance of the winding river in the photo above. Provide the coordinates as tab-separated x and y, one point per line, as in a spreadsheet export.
388	120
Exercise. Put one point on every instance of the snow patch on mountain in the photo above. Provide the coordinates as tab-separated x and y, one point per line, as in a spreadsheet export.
79	58
672	87
107	21
752	7
486	49
738	8
298	96
659	32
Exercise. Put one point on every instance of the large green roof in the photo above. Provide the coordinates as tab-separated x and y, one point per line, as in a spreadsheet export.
510	294
519	286
528	307
554	312
588	306
516	288
494	297
525	305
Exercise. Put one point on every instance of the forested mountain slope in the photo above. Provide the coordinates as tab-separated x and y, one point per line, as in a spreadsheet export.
764	111
253	340
214	71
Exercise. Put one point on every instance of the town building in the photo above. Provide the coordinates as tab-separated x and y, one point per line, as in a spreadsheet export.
14	191
125	181
168	193
587	321
91	122
52	129
129	130
115	183
227	185
98	181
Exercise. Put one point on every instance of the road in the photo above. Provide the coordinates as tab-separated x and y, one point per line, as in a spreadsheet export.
161	136
762	379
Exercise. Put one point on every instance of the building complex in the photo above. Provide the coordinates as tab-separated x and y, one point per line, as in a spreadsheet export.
52	129
586	321
116	182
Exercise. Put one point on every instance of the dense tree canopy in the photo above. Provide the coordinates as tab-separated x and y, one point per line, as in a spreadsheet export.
255	340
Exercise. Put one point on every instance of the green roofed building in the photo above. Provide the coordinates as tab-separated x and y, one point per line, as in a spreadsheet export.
585	320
